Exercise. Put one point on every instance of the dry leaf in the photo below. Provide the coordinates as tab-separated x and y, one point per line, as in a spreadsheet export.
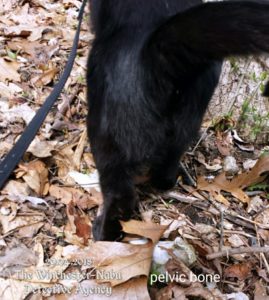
23	111
149	230
86	181
260	291
126	261
236	241
17	289
29	31
8	70
79	149
7	5
45	78
240	271
165	293
78	229
9	90
195	290
16	258
30	231
64	160
88	158
12	221
35	175
14	187
39	53
134	289
41	148
79	198
238	183
224	142
263	217
201	159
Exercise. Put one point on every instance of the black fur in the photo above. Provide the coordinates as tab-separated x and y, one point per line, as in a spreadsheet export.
152	70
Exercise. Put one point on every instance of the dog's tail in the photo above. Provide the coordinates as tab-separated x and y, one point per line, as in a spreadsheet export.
212	31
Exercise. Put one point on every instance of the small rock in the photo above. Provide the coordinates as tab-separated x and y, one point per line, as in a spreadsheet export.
249	164
237	296
5	211
230	166
227	225
181	250
256	204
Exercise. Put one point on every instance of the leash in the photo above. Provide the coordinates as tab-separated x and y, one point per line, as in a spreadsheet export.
15	154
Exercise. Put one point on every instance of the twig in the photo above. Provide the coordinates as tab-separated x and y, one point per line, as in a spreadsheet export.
236	221
232	213
265	262
241	250
200	140
262	256
181	197
221	230
254	193
238	232
187	174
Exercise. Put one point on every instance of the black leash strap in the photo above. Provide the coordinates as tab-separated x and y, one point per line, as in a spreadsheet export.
14	156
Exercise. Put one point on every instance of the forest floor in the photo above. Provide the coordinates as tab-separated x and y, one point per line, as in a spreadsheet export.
206	241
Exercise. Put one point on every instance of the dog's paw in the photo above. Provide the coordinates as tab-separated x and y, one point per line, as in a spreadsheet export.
106	230
163	184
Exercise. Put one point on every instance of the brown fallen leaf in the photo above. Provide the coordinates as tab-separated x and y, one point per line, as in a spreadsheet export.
201	159
239	271
224	144
9	90
35	174
88	158
149	230
11	221
45	78
78	229
8	70
33	33
14	187
260	291
134	289
23	111
30	231
17	289
237	184
237	241
6	6
124	260
195	290
165	293
83	200
39	53
64	159
16	259
263	217
79	150
42	148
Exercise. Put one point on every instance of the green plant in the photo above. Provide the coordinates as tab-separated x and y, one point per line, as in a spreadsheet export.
234	64
81	79
11	54
251	117
259	187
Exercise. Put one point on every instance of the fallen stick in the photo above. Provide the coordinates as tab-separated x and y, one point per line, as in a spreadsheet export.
237	251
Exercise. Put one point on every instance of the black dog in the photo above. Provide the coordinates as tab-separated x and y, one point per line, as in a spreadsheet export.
152	70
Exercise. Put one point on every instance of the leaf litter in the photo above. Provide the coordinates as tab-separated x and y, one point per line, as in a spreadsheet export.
47	207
